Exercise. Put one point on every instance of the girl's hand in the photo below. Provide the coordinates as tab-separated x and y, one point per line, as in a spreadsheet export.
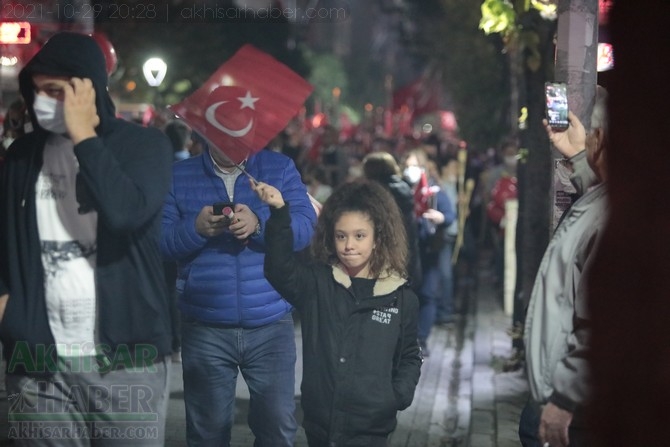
434	216
268	194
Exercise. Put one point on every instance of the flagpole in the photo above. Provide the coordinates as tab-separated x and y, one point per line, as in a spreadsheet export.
244	171
469	187
465	191
237	165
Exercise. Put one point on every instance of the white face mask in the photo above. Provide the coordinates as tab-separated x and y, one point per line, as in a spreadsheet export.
510	161
7	141
412	174
49	114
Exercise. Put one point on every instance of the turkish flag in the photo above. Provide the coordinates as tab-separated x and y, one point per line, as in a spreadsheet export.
420	97
245	103
422	195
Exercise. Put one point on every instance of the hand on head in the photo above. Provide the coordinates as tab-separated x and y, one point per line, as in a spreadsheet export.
267	193
570	141
81	117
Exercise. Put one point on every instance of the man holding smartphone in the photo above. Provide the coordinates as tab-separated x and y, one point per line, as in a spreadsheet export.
232	319
557	328
567	135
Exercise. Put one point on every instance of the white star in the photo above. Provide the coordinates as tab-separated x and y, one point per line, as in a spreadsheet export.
248	101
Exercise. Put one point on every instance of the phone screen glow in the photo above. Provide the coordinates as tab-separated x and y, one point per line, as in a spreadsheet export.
557	104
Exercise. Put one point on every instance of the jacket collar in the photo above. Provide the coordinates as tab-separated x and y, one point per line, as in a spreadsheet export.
386	283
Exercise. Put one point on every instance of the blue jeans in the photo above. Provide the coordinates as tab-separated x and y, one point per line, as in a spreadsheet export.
81	407
433	295
428	296
445	300
529	424
211	358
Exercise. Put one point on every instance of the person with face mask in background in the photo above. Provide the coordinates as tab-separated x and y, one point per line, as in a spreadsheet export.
84	313
434	212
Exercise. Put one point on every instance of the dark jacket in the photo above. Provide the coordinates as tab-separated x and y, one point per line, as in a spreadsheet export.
404	198
221	278
433	238
124	176
361	358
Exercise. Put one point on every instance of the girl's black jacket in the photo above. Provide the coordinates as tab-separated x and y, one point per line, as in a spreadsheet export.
361	358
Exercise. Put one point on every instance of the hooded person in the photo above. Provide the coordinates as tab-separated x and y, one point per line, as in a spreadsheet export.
84	315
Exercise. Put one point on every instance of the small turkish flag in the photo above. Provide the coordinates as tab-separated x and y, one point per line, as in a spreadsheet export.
245	103
422	195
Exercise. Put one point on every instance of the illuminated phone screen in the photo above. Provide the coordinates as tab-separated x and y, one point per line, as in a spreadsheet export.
557	104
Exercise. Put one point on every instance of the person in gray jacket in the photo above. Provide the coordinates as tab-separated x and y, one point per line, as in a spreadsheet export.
556	330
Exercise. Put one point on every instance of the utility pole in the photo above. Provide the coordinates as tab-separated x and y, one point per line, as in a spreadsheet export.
577	54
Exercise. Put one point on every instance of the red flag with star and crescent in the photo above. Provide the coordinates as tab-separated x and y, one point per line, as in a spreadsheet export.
422	196
245	103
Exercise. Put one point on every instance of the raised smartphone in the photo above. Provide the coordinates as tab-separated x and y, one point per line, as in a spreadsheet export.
556	96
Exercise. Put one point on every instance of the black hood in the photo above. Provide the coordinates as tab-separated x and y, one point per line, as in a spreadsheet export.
74	55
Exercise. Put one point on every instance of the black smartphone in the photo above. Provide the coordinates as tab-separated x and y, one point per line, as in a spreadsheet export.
556	96
224	209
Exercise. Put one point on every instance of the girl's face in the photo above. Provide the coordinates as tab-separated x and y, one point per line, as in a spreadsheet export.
354	242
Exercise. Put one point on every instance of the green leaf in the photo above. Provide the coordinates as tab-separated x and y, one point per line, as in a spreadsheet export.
498	16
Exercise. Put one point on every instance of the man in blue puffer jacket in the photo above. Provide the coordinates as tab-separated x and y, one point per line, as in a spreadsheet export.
232	318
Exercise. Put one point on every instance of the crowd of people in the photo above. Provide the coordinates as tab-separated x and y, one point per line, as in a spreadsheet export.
126	248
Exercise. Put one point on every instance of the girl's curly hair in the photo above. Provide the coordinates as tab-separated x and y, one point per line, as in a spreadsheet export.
373	200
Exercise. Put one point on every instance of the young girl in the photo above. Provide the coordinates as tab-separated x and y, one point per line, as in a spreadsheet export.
359	317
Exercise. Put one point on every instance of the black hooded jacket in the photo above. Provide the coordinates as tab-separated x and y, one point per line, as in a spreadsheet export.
124	175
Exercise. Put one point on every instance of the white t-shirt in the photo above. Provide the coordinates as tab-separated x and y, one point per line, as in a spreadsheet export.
68	241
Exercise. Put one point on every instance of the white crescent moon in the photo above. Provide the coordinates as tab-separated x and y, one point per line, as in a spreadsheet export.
209	116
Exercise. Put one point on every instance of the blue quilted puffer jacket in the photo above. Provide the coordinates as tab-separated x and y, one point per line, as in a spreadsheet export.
221	279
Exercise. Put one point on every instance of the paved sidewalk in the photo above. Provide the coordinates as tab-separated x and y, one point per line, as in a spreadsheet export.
463	398
497	396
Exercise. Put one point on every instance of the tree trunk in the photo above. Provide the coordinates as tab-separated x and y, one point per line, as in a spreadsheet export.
534	176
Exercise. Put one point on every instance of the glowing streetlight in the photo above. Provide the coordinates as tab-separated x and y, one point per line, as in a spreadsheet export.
154	70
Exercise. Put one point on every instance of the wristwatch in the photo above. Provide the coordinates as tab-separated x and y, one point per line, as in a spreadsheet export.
258	230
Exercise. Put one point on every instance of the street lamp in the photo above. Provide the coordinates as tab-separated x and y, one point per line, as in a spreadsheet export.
154	70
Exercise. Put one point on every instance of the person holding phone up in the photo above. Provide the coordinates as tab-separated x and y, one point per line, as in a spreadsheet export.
569	138
557	327
233	320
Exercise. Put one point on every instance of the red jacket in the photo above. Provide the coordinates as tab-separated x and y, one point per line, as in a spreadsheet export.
504	190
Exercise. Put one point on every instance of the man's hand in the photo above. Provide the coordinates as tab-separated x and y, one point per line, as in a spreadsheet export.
3	304
570	141
81	114
554	424
244	224
207	224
